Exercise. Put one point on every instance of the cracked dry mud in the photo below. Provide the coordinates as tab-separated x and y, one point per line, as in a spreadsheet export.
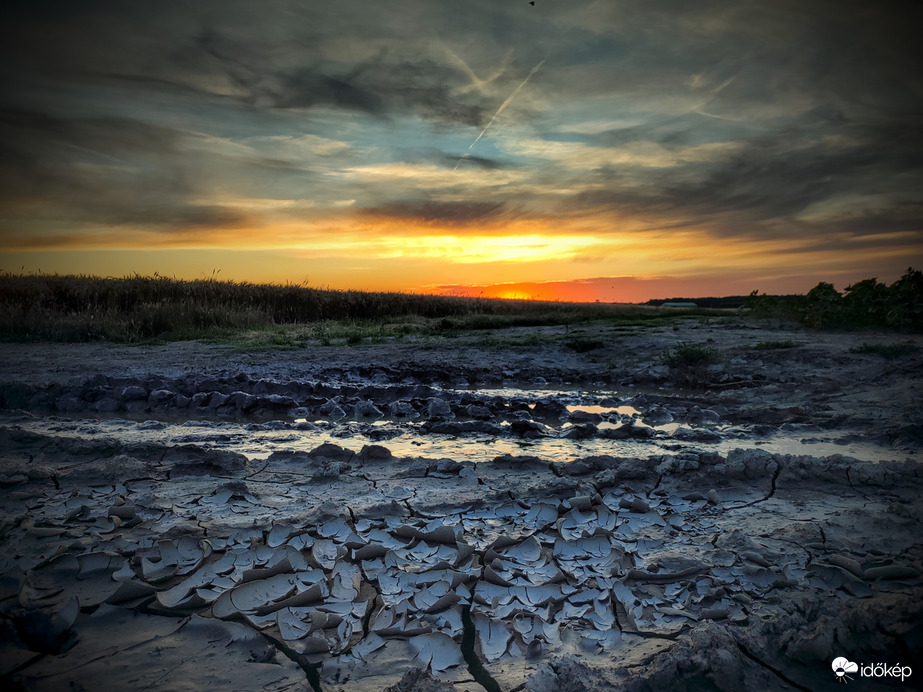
424	517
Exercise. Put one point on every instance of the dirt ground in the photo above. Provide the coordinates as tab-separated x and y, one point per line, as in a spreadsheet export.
497	511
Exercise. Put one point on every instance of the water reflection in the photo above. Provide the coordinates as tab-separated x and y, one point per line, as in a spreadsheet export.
406	439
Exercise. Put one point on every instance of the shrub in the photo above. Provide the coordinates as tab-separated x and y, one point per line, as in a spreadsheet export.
867	304
822	307
905	303
685	356
689	363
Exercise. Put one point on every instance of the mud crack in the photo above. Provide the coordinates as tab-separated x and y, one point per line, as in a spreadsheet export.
257	472
775	671
475	667
767	496
310	671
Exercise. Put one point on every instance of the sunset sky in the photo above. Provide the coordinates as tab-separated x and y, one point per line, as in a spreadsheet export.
571	150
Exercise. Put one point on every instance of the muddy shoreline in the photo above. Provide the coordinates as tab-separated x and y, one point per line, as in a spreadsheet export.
461	516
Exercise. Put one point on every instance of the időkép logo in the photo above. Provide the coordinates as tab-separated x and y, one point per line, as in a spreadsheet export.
843	667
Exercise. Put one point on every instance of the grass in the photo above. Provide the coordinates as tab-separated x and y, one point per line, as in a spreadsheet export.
140	309
887	351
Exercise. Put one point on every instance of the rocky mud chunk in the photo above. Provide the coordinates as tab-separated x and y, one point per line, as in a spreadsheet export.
437	408
549	409
367	410
402	410
527	429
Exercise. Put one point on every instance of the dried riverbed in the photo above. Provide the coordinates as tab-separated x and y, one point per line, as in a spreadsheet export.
441	515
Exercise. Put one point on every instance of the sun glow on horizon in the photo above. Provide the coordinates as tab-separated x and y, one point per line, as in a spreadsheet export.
527	258
510	295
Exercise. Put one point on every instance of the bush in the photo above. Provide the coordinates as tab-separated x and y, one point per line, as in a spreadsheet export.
867	304
905	303
686	356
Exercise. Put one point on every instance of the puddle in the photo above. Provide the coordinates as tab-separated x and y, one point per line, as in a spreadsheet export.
627	411
409	440
783	444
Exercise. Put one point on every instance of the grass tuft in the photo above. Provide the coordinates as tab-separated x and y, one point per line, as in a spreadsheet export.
686	356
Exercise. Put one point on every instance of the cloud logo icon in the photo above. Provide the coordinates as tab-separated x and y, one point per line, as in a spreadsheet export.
841	666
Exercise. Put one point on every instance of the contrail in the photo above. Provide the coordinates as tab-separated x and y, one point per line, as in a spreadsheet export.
711	97
500	110
477	84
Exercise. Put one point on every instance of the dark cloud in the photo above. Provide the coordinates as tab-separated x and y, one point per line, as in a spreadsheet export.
477	161
779	175
383	85
432	155
257	82
305	88
904	217
28	130
109	171
44	154
425	87
688	129
262	64
445	213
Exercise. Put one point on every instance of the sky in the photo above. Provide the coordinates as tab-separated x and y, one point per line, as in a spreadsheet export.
568	150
